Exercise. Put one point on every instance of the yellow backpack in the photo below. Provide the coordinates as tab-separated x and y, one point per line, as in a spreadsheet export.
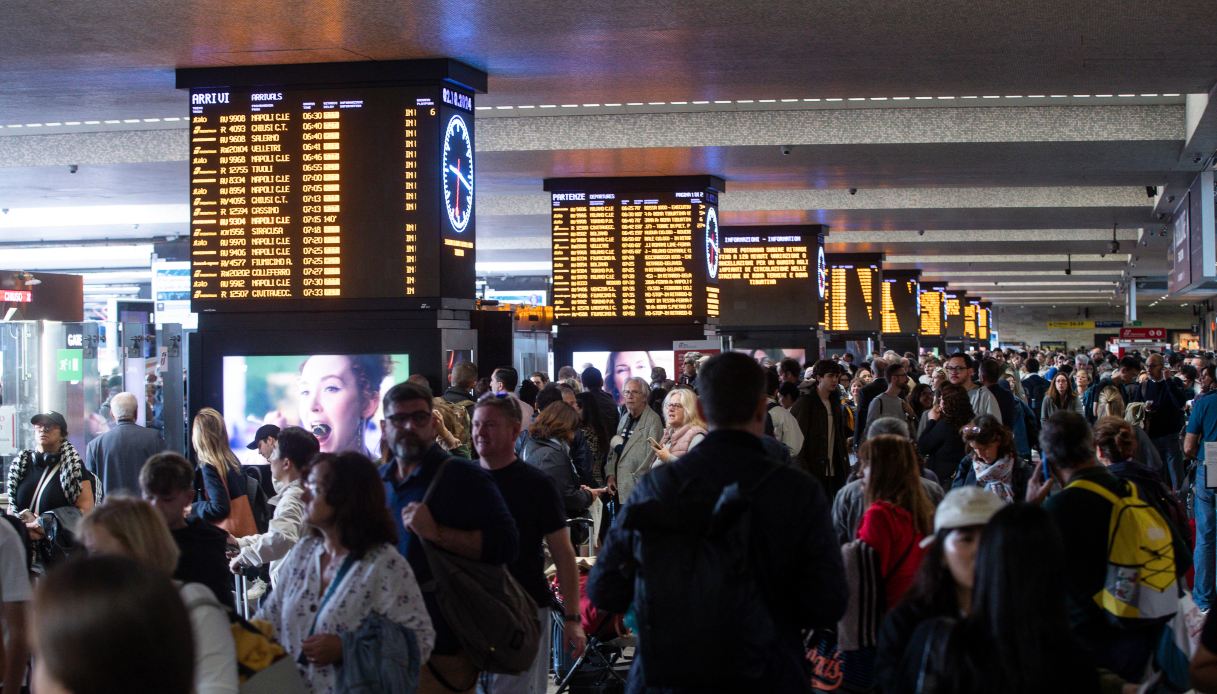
1141	584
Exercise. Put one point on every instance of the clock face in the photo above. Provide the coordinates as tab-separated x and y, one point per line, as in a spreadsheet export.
712	246
457	173
822	273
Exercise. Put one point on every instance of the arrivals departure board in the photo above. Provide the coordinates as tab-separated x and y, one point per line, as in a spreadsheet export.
854	293
954	300
982	322
772	275
900	311
318	196
933	310
635	249
970	309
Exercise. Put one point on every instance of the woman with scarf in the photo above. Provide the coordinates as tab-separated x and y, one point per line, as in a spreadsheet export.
992	463
683	427
46	481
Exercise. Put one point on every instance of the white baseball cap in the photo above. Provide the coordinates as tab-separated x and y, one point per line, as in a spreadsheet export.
962	508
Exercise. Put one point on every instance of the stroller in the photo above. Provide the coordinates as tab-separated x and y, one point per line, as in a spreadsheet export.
604	665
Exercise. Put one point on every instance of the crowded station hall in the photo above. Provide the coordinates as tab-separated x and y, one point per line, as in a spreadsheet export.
534	348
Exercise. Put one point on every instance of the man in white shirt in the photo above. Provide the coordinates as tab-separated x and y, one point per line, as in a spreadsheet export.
293	450
960	371
504	380
15	594
785	426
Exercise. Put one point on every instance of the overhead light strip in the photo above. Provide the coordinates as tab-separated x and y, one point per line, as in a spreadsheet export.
847	99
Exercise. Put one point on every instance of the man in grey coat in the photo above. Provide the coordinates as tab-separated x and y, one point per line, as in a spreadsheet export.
631	454
117	455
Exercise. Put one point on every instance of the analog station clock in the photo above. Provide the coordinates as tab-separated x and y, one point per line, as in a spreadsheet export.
712	242
822	273
457	173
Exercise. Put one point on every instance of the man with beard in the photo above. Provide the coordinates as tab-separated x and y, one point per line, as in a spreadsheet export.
464	514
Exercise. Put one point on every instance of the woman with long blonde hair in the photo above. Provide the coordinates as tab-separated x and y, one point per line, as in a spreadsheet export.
226	503
898	511
130	527
683	426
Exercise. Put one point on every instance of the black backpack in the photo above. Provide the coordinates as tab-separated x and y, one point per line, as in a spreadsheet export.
708	601
23	533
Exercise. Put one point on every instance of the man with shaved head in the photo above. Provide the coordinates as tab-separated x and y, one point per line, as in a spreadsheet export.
117	455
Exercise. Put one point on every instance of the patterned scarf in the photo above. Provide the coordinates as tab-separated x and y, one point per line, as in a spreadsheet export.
71	472
996	478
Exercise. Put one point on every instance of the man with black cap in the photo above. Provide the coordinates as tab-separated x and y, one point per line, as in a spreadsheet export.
264	442
117	455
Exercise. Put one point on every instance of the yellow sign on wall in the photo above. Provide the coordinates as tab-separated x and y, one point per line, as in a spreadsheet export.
1071	325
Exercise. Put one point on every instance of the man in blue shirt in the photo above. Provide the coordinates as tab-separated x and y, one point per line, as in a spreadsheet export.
465	514
1202	428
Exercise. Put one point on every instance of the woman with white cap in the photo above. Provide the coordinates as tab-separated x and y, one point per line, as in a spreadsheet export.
943	586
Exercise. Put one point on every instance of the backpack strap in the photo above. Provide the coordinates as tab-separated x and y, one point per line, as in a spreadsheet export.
1101	490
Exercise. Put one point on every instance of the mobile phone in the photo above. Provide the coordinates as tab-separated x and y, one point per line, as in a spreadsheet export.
651	440
1045	474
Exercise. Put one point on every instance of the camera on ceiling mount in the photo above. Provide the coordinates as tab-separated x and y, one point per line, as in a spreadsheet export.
786	149
853	191
73	168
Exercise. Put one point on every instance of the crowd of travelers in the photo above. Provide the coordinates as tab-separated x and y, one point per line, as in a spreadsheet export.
997	520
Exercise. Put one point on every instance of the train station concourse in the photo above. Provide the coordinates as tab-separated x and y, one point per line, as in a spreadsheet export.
601	347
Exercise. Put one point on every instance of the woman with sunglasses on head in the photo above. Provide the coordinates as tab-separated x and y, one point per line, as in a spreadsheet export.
992	462
683	427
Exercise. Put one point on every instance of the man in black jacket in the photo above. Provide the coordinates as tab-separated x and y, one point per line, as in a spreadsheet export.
1035	386
868	393
1164	400
990	374
795	559
593	382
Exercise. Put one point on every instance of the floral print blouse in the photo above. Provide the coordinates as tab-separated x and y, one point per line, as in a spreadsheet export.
380	582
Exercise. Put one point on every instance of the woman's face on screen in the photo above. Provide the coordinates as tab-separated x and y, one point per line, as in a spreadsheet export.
629	364
332	404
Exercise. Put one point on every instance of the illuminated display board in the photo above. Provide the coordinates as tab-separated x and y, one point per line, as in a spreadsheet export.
772	275
970	309
984	314
635	248
933	310
954	301
900	310
307	195
853	293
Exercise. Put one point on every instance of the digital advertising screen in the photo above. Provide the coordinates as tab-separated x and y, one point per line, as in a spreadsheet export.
616	367
772	357
303	197
901	307
335	396
772	275
632	249
933	310
854	292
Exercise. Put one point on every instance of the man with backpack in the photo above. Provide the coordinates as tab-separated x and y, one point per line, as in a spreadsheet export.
759	534
459	512
1144	581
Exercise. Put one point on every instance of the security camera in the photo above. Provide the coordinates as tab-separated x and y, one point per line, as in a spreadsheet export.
4	210
853	191
1068	271
1113	247
1161	216
921	232
786	150
73	168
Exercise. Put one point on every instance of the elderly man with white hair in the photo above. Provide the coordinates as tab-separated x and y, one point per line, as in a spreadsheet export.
630	454
116	456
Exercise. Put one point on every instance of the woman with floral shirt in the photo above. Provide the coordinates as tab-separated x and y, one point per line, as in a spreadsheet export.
345	569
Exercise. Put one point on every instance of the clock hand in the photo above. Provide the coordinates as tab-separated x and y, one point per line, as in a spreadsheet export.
460	176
